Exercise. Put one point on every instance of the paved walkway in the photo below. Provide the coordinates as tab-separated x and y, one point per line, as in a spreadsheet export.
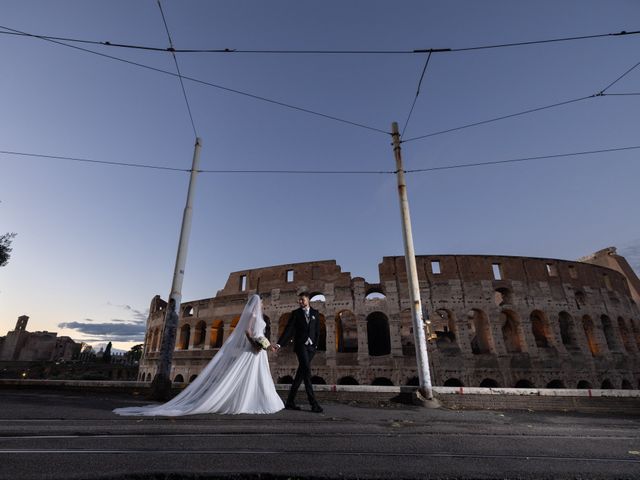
55	434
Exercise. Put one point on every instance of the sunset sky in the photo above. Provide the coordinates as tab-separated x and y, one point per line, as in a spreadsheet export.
97	241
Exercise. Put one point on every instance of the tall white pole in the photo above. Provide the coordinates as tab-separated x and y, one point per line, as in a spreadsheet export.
161	385
422	357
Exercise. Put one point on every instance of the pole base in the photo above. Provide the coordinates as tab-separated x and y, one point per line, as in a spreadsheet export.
160	388
419	397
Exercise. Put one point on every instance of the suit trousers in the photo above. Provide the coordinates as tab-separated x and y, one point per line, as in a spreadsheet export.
303	374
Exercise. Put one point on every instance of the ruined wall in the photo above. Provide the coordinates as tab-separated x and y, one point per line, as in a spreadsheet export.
493	320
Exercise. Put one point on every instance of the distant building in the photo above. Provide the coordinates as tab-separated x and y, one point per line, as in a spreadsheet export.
21	345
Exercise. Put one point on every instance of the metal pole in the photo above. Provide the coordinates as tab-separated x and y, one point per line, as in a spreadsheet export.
412	274
161	385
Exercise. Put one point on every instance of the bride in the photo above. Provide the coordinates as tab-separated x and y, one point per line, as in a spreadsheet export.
236	380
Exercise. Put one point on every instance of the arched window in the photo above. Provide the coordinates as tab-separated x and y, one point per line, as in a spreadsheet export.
510	332
444	326
375	293
555	384
524	384
624	333
489	383
347	381
589	331
200	334
567	330
607	329
346	332
382	381
584	385
317	297
626	385
217	334
149	377
316	380
606	384
188	311
379	339
179	379
412	382
479	331
286	380
185	336
540	329
453	382
234	322
502	296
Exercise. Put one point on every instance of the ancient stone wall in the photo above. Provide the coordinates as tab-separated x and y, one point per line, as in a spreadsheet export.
492	320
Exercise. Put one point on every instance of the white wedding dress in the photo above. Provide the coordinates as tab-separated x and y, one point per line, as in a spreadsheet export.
236	380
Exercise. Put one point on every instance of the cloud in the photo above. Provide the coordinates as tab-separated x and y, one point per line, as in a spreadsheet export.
116	330
137	314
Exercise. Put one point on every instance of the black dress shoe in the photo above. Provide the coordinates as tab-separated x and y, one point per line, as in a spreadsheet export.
291	406
316	409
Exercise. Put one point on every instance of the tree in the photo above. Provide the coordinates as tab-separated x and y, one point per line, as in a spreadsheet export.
5	247
106	356
135	353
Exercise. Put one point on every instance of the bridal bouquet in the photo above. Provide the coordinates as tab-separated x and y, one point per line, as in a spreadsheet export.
261	343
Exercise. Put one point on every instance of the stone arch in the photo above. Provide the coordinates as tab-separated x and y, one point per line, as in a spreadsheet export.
149	377
375	292
346	332
382	381
412	382
540	329
590	333
185	336
317	380
287	379
379	338
555	384
188	311
511	331
479	331
626	385
216	337
322	339
580	298
282	323
317	297
624	333
200	332
453	382
443	324
179	379
584	385
606	384
567	330
347	380
502	296
609	336
234	323
489	383
192	378
524	383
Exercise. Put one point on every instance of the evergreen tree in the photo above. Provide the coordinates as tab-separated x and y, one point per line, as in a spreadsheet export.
106	356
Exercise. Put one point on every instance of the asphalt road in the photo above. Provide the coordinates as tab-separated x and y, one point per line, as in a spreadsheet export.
63	435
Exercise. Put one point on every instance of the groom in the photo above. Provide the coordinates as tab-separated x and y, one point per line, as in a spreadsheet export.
304	327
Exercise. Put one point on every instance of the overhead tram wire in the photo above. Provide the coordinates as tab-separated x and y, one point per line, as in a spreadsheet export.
519	160
322	52
175	60
601	93
325	172
210	84
415	99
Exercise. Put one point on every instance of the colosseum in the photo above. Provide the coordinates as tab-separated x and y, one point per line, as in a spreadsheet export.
491	321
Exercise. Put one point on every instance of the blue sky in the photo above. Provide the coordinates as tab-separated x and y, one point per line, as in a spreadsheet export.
95	242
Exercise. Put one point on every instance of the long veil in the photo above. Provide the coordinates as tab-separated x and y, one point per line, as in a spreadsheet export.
231	381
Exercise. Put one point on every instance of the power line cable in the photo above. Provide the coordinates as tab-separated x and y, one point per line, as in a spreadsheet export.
324	172
175	60
475	124
327	52
525	159
619	78
220	87
415	99
88	160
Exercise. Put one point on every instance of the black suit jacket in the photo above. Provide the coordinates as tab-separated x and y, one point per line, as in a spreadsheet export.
298	329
